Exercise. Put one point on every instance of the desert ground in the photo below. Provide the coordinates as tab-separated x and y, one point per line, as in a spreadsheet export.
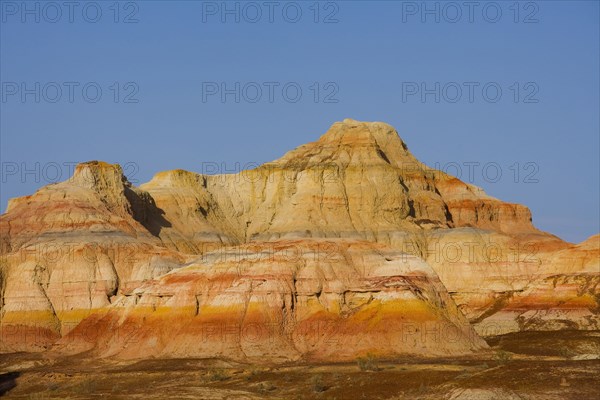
526	365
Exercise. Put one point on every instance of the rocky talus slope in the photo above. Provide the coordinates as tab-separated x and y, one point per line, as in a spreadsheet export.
384	250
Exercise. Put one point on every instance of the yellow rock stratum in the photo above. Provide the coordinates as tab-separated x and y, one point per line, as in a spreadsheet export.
343	246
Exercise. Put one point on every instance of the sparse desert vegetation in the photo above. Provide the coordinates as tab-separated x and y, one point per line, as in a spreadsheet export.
367	363
502	373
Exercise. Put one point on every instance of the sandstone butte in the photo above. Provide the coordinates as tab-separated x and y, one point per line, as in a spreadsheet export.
344	246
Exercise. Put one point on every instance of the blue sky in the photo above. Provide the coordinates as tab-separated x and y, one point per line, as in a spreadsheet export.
161	67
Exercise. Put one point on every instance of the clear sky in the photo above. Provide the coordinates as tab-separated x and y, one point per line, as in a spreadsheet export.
168	71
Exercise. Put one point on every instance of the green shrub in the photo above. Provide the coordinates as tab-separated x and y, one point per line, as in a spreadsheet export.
502	357
566	353
317	384
368	363
217	374
265	387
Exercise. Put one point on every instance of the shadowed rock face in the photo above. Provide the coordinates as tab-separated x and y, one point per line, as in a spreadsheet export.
97	248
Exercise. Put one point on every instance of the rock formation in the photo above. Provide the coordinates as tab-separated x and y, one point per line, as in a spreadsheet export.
281	301
71	248
165	258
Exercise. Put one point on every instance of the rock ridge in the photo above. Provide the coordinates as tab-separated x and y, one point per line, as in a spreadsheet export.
83	253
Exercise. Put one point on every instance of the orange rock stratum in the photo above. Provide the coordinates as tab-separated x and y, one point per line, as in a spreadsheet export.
342	247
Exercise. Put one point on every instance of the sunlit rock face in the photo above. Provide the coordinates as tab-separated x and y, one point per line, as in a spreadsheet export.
357	181
97	248
281	301
70	249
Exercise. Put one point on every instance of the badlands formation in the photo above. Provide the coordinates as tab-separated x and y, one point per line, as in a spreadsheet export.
344	246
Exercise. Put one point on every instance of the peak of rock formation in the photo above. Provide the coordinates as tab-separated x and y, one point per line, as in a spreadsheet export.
96	253
357	181
71	248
